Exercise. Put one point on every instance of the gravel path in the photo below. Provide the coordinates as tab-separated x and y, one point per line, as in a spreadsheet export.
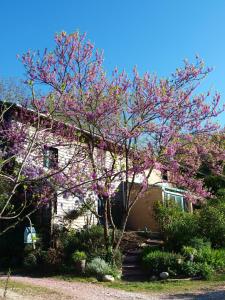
63	290
82	291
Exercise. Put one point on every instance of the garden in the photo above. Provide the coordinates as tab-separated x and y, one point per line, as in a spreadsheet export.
194	248
194	243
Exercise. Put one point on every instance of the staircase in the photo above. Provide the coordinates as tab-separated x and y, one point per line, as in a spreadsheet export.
132	246
131	269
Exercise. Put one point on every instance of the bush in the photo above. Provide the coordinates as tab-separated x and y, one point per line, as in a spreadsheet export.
53	258
118	259
176	265
194	269
98	268
89	240
32	257
213	257
189	251
78	256
195	248
30	261
199	243
212	223
158	261
177	227
218	261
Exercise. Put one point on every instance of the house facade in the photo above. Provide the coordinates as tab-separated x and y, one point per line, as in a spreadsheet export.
142	215
58	152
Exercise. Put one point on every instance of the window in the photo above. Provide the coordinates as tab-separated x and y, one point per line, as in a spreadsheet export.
179	199
165	175
50	157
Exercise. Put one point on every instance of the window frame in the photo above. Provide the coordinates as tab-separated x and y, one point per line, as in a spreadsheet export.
176	195
50	157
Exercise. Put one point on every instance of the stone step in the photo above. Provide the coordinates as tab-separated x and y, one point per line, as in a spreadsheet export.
154	242
131	266
133	272
136	251
131	259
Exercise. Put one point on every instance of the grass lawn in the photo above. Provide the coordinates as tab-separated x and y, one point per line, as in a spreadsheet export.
174	286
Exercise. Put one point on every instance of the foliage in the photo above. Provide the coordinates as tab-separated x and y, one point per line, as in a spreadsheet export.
189	251
52	258
98	267
199	243
204	265
194	269
205	260
212	222
213	257
117	259
158	261
178	227
89	240
195	247
78	256
218	259
30	261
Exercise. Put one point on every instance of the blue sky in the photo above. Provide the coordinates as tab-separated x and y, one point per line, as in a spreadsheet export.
155	35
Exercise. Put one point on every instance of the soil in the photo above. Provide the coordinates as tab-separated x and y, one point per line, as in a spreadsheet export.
55	289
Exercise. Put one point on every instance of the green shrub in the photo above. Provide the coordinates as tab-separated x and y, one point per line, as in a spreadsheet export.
148	249
30	261
157	261
194	269
98	268
213	257
177	227
199	243
198	249
78	256
89	240
53	258
212	223
176	265
218	259
189	251
118	259
190	269
206	271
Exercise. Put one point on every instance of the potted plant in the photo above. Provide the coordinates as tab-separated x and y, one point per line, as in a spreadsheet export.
79	258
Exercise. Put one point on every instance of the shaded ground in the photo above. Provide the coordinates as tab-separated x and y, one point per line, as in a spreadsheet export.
27	288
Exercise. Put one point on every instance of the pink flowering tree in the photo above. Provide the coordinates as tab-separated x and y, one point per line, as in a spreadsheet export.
130	126
28	130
